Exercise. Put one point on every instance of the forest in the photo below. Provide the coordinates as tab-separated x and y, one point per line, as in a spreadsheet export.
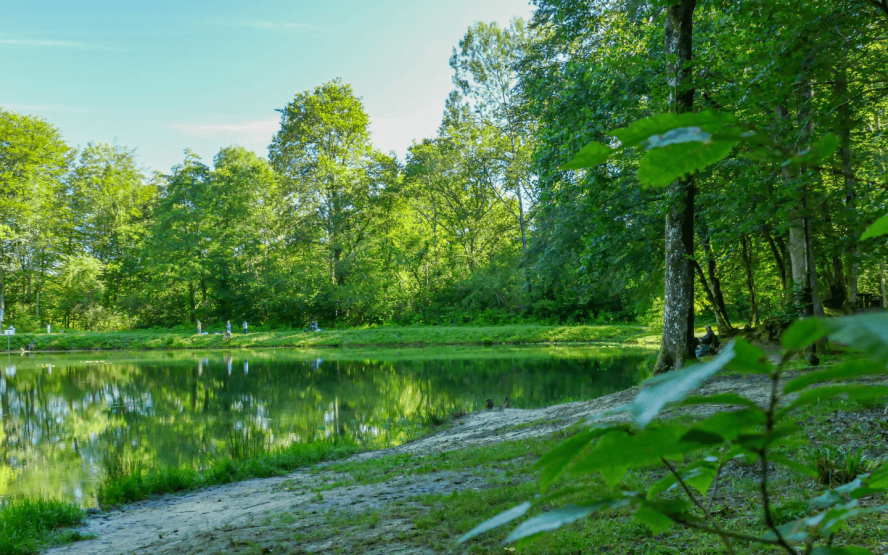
489	221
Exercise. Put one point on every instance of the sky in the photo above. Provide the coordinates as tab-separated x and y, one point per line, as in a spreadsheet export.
161	76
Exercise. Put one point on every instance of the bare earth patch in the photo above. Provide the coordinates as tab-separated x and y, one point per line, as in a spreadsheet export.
321	513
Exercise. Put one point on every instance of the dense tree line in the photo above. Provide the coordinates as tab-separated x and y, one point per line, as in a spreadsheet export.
483	222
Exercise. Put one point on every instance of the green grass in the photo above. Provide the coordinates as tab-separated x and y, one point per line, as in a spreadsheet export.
126	482
28	525
369	337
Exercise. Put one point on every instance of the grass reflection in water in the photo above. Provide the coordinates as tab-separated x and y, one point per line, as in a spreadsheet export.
193	418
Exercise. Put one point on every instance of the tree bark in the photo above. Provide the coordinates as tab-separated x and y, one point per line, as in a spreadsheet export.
883	279
678	312
746	241
778	258
845	124
723	327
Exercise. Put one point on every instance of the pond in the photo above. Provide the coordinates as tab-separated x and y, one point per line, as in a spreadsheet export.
61	413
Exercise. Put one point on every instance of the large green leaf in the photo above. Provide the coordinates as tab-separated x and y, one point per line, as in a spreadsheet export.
659	514
748	359
589	156
619	450
880	227
649	131
662	165
496	521
731	425
674	386
797	466
865	332
556	461
823	148
843	371
564	515
802	333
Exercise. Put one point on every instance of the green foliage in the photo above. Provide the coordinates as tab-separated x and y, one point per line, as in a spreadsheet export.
29	525
610	450
879	227
139	482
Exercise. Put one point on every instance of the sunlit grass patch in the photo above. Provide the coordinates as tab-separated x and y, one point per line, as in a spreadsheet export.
29	524
140	482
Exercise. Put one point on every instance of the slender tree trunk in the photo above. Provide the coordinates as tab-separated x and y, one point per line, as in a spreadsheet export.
2	297
746	241
845	124
716	285
678	313
883	279
778	258
720	317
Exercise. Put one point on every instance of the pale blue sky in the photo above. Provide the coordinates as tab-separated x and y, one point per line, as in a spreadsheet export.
161	76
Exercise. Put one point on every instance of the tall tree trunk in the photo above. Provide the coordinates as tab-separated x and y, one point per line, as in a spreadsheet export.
746	241
2	297
845	124
778	255
883	278
678	313
716	287
721	317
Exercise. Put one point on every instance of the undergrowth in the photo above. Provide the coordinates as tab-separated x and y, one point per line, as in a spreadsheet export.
28	525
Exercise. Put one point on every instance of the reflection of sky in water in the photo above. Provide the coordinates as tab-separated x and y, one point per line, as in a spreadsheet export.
60	419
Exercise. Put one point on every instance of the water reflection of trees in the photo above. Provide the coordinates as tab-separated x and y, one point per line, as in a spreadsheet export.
59	420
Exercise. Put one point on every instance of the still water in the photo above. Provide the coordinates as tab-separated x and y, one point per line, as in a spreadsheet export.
62	412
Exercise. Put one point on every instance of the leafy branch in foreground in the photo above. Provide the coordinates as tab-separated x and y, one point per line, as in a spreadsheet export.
749	430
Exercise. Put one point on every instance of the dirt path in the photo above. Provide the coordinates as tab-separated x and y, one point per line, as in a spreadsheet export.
239	517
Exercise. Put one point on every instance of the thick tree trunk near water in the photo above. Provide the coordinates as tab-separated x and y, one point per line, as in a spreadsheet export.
678	312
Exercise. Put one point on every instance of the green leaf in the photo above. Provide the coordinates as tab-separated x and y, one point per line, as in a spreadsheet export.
661	165
823	148
754	442
749	359
556	461
731	425
653	519
589	156
865	332
845	370
496	521
642	132
621	450
564	515
802	333
797	466
880	227
660	514
855	392
674	386
841	551
792	531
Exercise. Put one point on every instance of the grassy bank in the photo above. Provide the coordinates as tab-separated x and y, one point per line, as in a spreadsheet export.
836	433
127	481
370	337
30	525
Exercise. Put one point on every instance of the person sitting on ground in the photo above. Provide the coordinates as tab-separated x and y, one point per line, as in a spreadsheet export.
708	344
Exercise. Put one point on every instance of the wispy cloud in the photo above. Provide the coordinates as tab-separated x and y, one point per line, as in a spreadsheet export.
6	40
36	108
269	25
265	127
